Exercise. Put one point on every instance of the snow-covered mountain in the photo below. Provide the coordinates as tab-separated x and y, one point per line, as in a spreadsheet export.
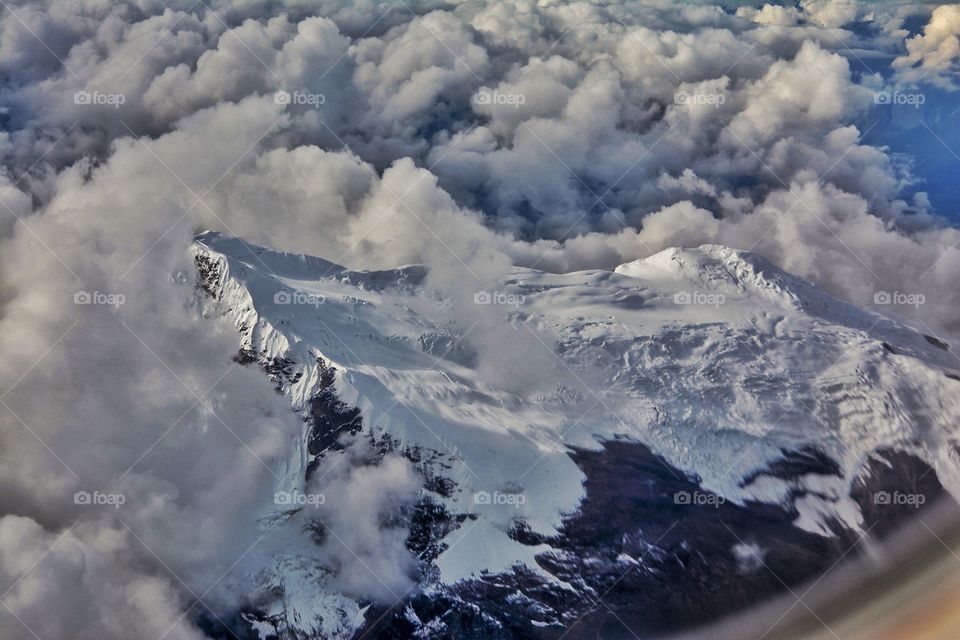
639	410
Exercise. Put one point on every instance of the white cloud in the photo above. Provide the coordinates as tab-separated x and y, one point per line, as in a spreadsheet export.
830	13
771	14
934	56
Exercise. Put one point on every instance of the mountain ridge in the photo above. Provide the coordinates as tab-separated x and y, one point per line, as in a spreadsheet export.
717	360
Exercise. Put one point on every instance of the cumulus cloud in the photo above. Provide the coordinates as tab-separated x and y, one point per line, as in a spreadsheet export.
772	14
371	558
935	54
470	138
133	395
90	573
830	13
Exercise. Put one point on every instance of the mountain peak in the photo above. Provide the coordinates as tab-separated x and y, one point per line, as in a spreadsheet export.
734	273
713	358
710	264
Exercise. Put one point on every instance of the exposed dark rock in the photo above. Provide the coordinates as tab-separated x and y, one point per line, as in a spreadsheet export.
245	357
521	532
331	416
208	274
660	563
937	342
282	371
434	615
795	464
429	462
225	627
892	487
448	346
429	523
440	485
661	547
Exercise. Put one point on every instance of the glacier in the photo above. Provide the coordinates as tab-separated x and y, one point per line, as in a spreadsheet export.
715	359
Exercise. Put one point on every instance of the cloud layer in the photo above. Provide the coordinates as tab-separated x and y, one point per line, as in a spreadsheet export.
472	137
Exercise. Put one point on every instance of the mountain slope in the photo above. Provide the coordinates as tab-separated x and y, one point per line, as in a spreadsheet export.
743	385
